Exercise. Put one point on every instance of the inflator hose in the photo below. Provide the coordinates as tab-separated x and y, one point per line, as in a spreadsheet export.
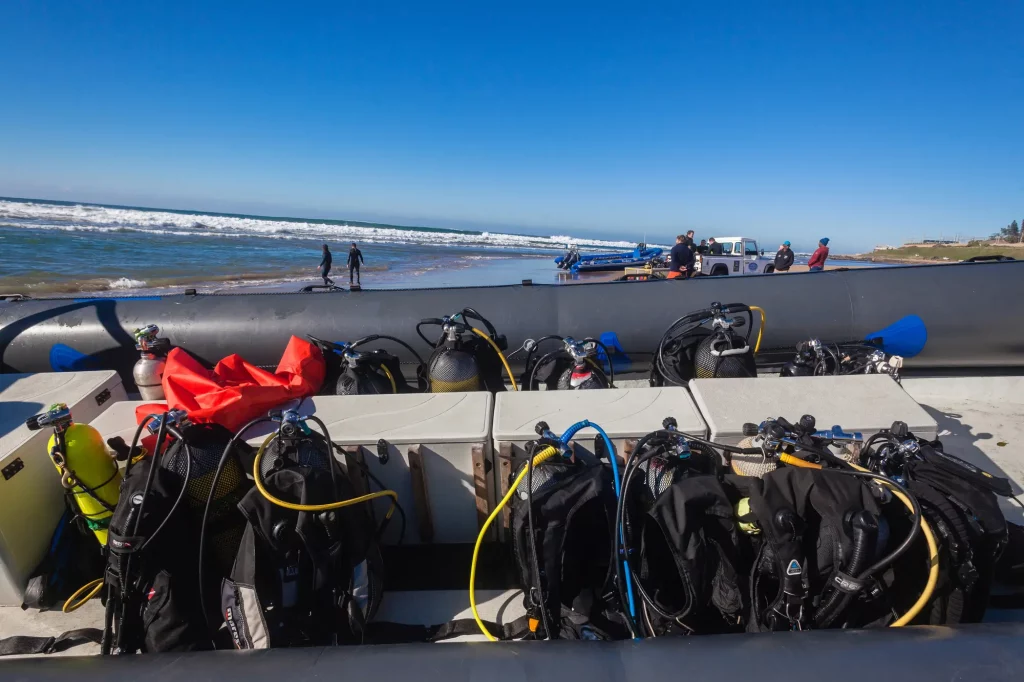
543	455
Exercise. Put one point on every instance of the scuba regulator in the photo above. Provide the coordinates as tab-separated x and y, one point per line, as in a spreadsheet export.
572	367
776	440
465	358
705	344
352	371
148	372
814	358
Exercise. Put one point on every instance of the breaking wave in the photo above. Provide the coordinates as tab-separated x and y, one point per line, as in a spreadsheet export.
93	218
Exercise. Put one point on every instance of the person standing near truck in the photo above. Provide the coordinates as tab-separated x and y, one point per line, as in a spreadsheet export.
818	258
784	258
681	259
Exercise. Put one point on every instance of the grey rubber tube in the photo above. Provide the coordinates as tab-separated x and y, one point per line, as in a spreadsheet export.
971	318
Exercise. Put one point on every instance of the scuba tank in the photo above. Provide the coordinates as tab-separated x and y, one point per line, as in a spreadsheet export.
814	358
148	372
360	372
571	367
308	571
464	357
767	442
705	344
89	475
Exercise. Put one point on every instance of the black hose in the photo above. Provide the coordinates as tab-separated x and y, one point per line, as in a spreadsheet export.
548	632
536	345
865	532
607	354
206	515
181	493
545	358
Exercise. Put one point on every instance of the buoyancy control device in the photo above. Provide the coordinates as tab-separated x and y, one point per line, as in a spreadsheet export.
959	500
686	558
148	372
353	370
705	344
561	523
308	571
815	358
828	533
465	358
153	598
573	366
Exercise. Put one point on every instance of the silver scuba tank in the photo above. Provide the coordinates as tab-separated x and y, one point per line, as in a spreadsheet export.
148	372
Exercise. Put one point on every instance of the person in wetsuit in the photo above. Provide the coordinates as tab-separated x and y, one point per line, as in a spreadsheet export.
325	267
355	257
714	248
681	257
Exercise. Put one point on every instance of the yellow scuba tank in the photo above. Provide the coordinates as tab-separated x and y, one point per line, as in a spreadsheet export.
88	473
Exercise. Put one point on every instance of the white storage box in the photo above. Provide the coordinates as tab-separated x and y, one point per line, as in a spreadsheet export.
861	403
31	496
439	454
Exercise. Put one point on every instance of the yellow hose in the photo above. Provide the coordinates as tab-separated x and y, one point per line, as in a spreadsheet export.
394	387
929	537
508	370
314	507
544	454
760	332
72	605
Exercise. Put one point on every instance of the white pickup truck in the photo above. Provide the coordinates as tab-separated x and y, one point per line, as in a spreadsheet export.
740	256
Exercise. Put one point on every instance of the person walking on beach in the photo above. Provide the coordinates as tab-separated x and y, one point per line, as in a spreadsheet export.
355	257
784	257
325	267
681	258
818	258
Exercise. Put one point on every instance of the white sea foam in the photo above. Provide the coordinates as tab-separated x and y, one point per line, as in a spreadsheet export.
81	218
127	283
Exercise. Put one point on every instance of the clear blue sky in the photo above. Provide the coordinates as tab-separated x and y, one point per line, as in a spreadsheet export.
865	122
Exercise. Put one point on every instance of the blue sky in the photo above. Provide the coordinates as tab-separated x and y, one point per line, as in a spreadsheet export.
865	122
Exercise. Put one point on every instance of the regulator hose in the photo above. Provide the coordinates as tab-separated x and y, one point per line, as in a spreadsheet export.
501	356
542	456
865	532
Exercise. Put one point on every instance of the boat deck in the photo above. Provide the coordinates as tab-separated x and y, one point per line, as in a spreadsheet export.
979	419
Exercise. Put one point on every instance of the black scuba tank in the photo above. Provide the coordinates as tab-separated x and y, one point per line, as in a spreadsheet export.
464	358
705	344
574	366
366	372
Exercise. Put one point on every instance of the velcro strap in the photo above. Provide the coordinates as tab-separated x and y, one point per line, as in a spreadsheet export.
847	583
21	645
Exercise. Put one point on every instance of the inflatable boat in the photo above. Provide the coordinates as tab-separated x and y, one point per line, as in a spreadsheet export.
968	318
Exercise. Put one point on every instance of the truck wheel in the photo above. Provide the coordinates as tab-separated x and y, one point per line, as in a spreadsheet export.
769	269
719	271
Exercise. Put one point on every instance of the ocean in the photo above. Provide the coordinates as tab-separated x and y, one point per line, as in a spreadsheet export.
53	247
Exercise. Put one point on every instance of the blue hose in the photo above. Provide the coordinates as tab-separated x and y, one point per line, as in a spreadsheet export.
565	438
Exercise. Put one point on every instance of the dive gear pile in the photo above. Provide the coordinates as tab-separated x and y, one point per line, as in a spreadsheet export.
367	372
465	358
574	366
814	358
705	344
